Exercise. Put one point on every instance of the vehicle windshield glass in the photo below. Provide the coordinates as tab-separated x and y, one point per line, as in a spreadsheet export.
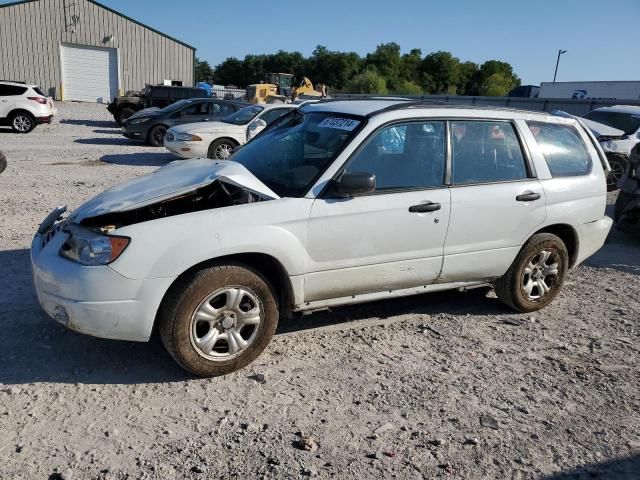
626	122
175	106
243	116
292	154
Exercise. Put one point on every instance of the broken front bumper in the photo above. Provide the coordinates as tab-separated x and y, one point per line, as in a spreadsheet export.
95	301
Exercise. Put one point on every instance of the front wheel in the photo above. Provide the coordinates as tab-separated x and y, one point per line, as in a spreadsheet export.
123	114
219	319
221	149
22	122
537	274
156	136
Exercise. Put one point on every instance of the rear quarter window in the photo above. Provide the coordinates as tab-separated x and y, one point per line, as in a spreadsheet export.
563	149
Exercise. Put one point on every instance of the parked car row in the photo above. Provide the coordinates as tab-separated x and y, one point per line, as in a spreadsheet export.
333	203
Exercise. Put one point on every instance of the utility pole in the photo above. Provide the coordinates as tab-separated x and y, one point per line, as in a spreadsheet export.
560	52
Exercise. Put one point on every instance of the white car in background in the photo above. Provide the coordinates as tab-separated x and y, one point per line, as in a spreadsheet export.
217	140
618	148
24	106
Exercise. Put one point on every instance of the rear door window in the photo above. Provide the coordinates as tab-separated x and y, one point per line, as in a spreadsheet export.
563	149
486	152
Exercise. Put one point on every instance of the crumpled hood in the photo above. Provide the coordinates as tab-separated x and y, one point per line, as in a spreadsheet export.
176	178
208	127
598	129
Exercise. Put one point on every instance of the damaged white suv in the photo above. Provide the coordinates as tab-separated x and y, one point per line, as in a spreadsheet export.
336	203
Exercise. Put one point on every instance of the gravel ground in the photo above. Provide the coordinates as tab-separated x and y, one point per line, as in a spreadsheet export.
449	385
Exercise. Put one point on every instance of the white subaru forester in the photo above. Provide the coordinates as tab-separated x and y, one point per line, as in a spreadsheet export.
336	203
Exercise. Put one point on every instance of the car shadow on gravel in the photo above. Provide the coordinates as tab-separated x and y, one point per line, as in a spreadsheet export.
91	123
627	468
621	252
34	348
148	159
474	302
106	141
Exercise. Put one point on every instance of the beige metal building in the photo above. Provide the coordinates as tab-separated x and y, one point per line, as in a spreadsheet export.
82	50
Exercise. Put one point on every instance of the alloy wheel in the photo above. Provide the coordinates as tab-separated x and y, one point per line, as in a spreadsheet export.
22	123
226	323
540	275
617	171
223	151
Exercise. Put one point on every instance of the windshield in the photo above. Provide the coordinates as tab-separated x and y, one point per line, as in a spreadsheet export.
297	149
175	106
243	116
626	122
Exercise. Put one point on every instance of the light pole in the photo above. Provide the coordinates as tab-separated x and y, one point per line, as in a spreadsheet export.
560	52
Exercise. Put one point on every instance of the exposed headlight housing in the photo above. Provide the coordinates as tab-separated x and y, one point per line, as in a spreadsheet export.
92	248
136	121
187	137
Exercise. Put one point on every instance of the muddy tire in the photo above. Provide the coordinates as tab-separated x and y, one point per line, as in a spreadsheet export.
621	202
618	164
123	114
221	149
218	320
537	274
156	136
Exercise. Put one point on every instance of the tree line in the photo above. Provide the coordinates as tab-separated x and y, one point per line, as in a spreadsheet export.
385	70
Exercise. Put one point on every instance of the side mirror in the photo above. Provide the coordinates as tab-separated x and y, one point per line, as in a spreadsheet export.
356	183
258	124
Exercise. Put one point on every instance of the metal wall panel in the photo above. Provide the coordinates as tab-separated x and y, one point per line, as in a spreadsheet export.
32	32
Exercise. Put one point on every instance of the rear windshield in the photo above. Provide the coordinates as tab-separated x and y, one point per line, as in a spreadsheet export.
626	122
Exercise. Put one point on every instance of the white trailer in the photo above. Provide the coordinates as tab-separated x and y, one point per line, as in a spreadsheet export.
622	90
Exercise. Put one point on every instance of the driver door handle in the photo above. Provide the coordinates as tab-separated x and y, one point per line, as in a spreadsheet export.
425	207
528	197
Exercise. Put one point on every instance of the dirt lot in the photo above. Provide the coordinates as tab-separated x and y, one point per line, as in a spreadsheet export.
450	385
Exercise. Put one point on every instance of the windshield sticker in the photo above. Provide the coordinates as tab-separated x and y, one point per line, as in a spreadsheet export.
339	123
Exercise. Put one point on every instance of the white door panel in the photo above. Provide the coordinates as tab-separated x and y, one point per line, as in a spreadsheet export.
488	226
89	74
374	243
6	104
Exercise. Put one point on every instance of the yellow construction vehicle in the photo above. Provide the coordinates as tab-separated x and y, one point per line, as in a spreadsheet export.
279	89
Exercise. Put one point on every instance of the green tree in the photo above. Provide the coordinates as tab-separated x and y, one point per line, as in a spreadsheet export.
495	77
367	82
332	68
387	62
440	72
468	78
230	72
410	66
203	71
408	87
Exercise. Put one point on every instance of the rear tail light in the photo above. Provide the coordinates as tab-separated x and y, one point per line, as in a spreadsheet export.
40	100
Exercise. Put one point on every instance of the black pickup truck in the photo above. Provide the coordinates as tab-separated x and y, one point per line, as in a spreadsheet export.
152	96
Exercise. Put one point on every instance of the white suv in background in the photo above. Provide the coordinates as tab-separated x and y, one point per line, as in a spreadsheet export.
618	149
23	106
335	203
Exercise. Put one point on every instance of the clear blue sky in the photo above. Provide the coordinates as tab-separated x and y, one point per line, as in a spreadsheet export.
601	36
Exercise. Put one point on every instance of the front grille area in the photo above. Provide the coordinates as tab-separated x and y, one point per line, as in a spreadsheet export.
47	237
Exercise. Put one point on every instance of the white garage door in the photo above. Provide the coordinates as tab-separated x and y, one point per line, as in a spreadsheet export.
89	74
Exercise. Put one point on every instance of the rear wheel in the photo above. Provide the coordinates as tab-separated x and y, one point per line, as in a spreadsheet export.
156	135
219	319
221	149
537	274
22	122
618	164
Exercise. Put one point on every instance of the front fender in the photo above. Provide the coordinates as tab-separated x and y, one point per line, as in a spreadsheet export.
169	246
